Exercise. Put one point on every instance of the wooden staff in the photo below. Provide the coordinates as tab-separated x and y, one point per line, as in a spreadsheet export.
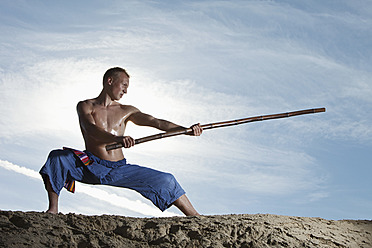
220	124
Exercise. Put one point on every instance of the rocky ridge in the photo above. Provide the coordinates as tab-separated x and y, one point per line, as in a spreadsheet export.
34	229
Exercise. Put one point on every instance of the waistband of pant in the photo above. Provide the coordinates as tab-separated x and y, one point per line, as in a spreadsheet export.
107	163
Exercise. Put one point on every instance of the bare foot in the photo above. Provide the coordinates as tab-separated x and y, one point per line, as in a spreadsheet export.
51	212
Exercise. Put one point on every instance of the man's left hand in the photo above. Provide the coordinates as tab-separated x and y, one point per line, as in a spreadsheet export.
197	129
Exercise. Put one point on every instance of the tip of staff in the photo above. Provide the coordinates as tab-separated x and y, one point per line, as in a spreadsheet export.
320	110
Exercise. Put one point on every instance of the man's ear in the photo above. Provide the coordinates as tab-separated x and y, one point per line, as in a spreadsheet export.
110	80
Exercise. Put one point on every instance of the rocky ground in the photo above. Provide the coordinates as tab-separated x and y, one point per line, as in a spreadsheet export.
33	229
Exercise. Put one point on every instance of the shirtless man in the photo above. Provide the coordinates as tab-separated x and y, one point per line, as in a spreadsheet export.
102	122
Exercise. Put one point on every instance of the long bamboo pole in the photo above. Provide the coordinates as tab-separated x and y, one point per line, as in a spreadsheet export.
220	124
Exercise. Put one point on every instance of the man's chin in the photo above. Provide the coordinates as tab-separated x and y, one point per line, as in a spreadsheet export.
116	98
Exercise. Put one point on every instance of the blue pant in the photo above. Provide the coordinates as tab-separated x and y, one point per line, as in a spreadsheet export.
159	187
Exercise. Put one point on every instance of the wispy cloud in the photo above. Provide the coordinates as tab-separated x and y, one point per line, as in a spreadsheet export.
19	169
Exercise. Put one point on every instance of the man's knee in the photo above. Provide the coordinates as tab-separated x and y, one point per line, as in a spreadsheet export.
169	179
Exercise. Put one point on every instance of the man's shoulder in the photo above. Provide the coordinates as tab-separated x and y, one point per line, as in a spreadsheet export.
125	106
90	101
86	102
129	108
84	105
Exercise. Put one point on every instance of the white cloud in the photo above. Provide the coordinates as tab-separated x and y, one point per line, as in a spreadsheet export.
44	96
19	169
120	201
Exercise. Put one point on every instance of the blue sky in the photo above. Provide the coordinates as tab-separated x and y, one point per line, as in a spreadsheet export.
197	61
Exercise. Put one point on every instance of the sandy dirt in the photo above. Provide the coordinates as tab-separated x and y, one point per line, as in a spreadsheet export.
34	229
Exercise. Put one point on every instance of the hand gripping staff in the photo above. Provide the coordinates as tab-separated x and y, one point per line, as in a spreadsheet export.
220	124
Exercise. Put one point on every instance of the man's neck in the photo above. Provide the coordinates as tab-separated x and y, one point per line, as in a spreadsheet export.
104	99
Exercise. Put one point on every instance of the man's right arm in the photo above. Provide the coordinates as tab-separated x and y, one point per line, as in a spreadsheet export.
143	119
90	128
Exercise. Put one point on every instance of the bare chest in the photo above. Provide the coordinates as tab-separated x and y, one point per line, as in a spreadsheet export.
112	120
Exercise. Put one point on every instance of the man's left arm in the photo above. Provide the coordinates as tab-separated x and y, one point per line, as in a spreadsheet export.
143	119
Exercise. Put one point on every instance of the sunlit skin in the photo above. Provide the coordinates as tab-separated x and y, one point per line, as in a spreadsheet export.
103	121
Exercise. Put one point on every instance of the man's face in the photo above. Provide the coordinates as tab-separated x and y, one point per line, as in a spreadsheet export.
118	85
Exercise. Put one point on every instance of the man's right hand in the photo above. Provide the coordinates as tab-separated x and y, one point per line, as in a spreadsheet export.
127	141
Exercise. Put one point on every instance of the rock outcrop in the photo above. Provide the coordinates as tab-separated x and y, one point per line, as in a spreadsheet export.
34	229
